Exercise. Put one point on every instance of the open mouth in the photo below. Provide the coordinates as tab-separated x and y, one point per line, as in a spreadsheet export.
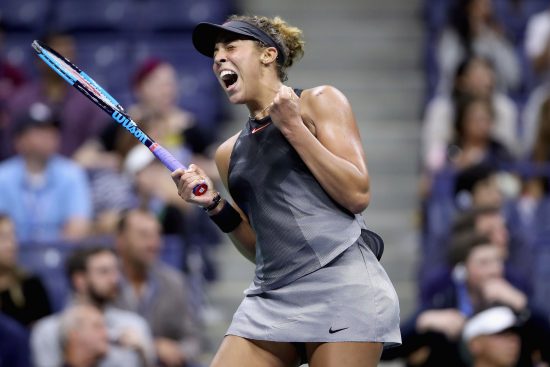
228	77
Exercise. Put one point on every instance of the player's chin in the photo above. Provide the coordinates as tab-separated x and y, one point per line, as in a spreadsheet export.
235	97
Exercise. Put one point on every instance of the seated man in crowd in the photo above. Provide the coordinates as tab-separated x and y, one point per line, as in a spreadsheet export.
83	336
94	277
431	335
155	290
492	338
47	196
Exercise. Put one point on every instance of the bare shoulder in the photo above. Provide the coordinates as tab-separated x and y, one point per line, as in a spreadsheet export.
323	94
322	98
322	103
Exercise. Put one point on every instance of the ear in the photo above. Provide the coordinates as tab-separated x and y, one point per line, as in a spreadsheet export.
269	54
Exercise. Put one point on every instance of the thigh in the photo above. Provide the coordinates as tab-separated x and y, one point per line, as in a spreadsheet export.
240	352
344	354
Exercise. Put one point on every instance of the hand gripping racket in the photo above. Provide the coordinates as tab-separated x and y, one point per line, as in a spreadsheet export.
87	86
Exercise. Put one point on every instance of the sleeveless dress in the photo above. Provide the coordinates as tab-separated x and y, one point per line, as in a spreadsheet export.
317	276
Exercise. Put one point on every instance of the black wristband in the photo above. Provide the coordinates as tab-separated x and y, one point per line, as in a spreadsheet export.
215	201
227	219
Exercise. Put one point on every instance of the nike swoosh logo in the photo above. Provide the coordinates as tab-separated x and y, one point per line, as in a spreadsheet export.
337	330
255	130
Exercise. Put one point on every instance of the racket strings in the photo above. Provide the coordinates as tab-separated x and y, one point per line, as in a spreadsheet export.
62	65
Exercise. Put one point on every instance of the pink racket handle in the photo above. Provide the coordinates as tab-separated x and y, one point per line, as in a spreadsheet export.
173	164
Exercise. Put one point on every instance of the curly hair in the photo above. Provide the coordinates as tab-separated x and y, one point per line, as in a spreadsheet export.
288	37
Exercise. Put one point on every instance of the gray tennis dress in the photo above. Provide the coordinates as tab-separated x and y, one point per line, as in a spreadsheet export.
317	278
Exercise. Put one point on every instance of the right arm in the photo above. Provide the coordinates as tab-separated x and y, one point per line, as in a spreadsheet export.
243	235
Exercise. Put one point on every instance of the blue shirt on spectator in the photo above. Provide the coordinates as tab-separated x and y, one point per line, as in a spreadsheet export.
41	207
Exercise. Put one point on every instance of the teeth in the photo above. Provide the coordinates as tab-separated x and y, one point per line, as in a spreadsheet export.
226	72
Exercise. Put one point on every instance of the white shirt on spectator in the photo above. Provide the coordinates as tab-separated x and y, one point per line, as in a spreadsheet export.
490	45
537	34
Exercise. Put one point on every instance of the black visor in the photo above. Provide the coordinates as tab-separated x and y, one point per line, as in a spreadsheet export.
205	36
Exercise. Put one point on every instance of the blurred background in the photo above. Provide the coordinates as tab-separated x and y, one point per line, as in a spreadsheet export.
452	101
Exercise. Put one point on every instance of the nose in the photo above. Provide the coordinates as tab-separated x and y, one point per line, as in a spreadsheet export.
220	57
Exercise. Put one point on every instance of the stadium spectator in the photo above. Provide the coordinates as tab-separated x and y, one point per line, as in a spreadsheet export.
491	338
473	29
79	118
152	194
22	295
155	85
94	277
155	290
473	143
474	76
431	335
477	186
46	195
83	336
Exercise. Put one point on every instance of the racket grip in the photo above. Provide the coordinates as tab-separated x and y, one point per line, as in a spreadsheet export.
173	164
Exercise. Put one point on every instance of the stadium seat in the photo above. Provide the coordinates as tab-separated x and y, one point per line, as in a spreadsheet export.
106	58
178	15
26	16
97	15
17	50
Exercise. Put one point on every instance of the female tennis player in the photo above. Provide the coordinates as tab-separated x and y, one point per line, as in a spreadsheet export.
298	178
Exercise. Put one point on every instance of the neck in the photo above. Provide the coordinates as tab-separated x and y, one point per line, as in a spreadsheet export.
6	278
136	275
484	363
85	299
474	143
78	358
35	165
259	107
144	199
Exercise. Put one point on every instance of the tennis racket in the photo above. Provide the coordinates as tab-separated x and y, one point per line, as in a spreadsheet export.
87	86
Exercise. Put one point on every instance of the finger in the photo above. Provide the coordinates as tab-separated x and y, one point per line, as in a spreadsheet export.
201	172
289	92
293	95
176	175
192	168
276	100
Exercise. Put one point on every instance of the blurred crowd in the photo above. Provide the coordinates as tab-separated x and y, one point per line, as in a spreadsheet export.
101	263
483	278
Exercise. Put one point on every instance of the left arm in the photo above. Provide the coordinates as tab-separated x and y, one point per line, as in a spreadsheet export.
322	129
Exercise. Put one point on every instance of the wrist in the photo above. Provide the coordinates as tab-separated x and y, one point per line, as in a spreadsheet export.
218	208
214	203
